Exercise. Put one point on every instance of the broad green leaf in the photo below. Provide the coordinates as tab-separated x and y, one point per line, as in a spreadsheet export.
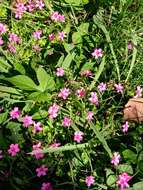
40	96
88	66
83	28
110	178
40	114
76	38
18	67
125	168
4	65
46	82
138	186
3	117
68	60
22	82
129	155
9	90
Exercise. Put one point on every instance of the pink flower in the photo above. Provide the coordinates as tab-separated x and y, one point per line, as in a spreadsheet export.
37	127
41	171
55	145
80	92
39	4
97	53
115	159
60	72
13	149
46	186
94	99
36	48
86	73
11	48
37	151
101	87
30	6
78	136
1	155
20	9
37	34
90	115
66	122
27	121
13	38
130	46
15	113
2	28
138	92
61	35
55	16
53	111
51	37
89	180
119	88
64	93
125	127
1	41
123	180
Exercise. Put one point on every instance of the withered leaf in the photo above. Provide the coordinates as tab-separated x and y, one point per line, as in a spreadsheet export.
133	110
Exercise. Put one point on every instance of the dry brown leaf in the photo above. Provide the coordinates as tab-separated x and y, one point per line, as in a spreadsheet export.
133	110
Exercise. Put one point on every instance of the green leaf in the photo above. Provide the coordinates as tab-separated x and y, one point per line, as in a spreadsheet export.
101	138
110	178
125	168
88	66
68	60
138	186
83	28
18	67
77	2
76	38
40	96
3	117
46	82
9	90
4	65
40	114
129	156
23	82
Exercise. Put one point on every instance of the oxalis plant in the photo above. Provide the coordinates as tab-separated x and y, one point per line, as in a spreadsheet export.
67	70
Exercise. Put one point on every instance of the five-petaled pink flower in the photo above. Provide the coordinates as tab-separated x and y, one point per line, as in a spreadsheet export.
64	93
37	34
116	158
15	113
130	46
37	151
94	98
60	72
57	17
37	127
80	92
53	111
2	28
19	10
39	4
119	88
66	122
13	149
51	37
89	180
138	92
27	121
78	136
11	48
97	53
14	38
90	115
61	35
123	180
41	171
30	6
46	186
125	127
101	87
